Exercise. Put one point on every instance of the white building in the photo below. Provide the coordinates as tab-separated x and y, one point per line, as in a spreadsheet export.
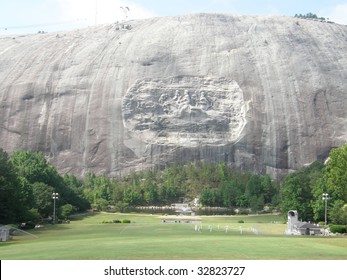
296	227
183	209
4	233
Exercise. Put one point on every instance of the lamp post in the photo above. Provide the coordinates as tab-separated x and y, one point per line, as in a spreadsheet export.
55	196
325	197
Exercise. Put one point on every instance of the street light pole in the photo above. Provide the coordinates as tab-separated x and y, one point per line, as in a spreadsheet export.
325	197
55	196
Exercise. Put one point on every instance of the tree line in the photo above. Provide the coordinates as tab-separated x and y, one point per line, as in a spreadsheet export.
303	190
27	182
309	16
212	184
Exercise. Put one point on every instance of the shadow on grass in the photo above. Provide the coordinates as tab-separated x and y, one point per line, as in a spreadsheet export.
81	216
49	227
7	243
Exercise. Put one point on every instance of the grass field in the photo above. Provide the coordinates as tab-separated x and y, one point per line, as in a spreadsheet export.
146	238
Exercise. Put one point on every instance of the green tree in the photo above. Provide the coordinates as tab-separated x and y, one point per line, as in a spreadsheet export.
117	191
254	190
268	189
256	203
32	166
232	194
210	197
66	210
76	187
26	192
10	207
318	204
99	186
336	174
33	216
296	195
300	191
132	197
168	194
151	194
43	198
101	204
338	212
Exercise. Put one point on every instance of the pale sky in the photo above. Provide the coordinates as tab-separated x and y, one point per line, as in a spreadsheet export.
31	16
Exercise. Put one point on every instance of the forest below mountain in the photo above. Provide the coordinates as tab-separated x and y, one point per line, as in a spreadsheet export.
27	182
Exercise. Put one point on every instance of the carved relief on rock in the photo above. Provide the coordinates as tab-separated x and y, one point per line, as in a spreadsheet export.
185	110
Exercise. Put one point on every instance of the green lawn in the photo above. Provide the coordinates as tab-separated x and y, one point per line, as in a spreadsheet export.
147	238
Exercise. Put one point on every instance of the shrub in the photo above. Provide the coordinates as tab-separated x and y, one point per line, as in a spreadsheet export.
244	212
114	222
121	207
338	229
241	221
27	225
66	210
126	221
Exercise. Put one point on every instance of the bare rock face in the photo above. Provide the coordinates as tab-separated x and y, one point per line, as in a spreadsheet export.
266	94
